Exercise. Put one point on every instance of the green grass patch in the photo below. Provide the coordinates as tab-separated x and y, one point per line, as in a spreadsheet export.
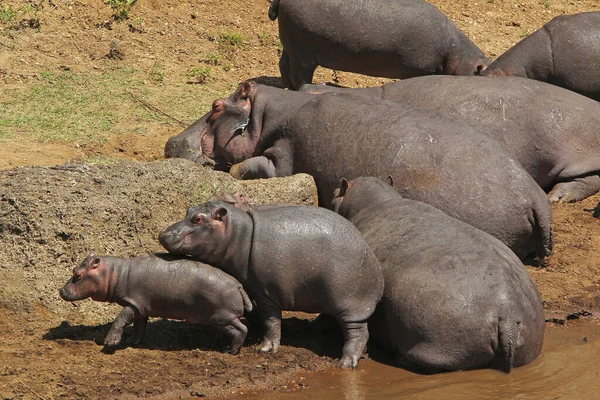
121	8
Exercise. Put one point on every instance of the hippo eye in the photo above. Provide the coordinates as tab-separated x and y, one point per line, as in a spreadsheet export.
197	219
76	278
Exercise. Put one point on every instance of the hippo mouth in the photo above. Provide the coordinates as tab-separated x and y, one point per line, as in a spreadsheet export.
67	294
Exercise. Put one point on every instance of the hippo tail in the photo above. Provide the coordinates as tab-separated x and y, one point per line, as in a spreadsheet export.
274	10
247	303
508	336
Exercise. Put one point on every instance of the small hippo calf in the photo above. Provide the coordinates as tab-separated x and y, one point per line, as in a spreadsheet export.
161	286
388	38
288	258
563	52
455	297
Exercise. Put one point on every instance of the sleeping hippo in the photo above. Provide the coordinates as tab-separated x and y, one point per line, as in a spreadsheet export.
161	286
288	258
551	131
265	132
387	38
455	298
564	52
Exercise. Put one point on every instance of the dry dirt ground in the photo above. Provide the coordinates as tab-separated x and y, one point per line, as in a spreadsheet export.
50	218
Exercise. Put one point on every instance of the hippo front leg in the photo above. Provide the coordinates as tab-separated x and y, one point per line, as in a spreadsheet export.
575	190
275	161
356	335
114	336
271	319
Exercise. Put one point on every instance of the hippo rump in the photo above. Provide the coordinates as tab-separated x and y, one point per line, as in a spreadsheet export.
445	163
161	286
551	131
564	52
455	298
387	38
288	258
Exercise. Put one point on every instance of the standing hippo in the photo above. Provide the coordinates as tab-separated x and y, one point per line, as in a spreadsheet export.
551	131
161	286
455	298
288	258
445	163
564	52
387	38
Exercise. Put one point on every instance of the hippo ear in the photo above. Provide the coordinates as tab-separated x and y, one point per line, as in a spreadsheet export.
95	263
343	187
389	180
219	213
245	90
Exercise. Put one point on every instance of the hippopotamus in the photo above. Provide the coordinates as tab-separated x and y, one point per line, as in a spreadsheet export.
161	286
443	162
295	258
564	52
455	298
551	131
390	38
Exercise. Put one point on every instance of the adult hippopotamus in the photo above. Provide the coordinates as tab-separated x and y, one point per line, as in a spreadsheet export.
564	52
161	286
445	163
387	38
288	258
551	131
455	298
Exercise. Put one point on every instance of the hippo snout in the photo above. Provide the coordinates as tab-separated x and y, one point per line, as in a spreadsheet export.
168	240
66	294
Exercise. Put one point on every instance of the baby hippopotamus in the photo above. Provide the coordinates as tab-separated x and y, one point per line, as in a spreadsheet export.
455	297
161	286
295	258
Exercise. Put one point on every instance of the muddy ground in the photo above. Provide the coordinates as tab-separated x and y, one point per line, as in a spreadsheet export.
51	217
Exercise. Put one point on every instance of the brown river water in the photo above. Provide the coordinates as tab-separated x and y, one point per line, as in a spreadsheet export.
569	368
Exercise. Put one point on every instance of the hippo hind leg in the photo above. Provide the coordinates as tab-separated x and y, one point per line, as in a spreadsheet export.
237	332
301	70
575	190
271	319
284	69
356	335
139	329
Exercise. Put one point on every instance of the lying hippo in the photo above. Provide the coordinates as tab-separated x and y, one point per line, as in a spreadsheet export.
455	298
564	52
161	286
445	163
392	38
288	258
551	131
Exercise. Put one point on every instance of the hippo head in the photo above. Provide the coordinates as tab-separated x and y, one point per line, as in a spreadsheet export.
229	136
89	280
353	196
202	234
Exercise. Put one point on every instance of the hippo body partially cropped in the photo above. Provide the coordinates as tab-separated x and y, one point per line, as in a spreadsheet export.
551	131
387	38
161	286
442	162
455	298
564	52
288	258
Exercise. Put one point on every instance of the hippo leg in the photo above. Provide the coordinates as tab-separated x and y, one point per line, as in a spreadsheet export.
114	336
139	329
271	318
284	69
301	70
237	331
575	190
356	335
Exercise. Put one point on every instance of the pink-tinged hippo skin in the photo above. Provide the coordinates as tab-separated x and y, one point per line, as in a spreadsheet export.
161	286
290	258
443	162
564	52
455	298
554	133
387	38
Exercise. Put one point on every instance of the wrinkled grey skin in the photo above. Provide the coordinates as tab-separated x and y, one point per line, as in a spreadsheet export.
387	38
161	286
564	52
455	298
551	131
445	163
288	258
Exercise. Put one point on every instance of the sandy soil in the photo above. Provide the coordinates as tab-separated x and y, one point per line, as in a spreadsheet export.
50	348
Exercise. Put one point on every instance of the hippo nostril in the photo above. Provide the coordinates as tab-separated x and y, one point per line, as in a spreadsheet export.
479	69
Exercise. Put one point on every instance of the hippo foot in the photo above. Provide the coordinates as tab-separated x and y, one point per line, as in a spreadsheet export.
229	350
348	362
112	339
268	345
576	190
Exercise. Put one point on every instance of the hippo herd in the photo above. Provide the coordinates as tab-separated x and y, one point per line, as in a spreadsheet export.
433	190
